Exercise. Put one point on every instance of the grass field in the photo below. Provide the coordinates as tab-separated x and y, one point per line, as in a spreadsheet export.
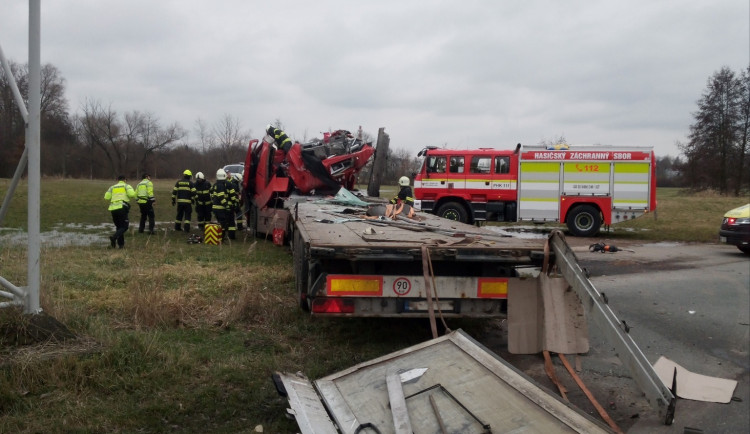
184	337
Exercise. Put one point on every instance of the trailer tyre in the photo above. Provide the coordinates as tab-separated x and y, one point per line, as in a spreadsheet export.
584	221
300	271
453	211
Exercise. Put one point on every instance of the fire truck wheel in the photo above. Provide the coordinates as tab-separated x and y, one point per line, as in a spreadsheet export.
452	211
584	221
300	271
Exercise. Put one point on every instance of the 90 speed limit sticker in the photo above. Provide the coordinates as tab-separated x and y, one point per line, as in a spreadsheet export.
401	286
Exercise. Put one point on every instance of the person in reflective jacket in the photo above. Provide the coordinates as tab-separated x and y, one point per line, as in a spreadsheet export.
146	200
183	195
279	137
404	195
223	198
119	196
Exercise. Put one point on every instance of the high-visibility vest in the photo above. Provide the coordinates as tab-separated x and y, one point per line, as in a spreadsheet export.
145	190
119	195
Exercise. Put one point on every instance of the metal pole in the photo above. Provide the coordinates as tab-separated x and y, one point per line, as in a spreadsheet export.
24	158
33	138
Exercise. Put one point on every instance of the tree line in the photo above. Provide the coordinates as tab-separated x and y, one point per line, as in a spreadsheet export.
99	142
716	154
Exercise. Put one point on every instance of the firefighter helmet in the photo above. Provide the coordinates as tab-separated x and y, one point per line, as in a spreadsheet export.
403	181
237	177
187	172
269	128
199	175
221	175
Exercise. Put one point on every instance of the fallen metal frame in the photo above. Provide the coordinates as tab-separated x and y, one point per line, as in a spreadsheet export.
597	310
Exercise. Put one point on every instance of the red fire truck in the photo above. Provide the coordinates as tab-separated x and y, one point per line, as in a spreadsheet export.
585	187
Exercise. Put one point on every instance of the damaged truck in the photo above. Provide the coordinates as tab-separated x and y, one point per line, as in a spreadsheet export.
355	258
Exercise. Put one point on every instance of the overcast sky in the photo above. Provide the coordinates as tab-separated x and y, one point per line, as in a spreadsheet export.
463	73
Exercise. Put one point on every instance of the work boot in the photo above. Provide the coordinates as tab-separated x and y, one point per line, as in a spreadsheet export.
112	241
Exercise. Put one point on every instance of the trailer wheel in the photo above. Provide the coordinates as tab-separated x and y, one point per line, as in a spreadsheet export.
452	211
584	221
300	271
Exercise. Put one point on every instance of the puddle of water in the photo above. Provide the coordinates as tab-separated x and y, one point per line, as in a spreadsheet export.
519	232
74	234
54	238
666	244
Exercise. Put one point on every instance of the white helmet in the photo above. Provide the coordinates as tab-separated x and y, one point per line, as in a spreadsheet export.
237	177
199	175
403	181
221	175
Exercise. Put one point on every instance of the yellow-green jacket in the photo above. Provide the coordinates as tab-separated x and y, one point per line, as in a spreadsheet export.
119	195
145	191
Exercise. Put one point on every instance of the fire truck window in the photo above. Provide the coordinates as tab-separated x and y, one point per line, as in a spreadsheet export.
457	164
502	164
480	165
436	165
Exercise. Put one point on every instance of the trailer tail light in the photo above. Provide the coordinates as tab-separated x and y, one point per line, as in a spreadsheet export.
332	305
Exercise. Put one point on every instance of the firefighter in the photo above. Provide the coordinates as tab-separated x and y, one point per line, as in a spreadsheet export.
146	200
223	199
282	140
183	195
119	196
236	180
404	195
202	200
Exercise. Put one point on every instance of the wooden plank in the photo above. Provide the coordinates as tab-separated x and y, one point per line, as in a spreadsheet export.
400	413
306	406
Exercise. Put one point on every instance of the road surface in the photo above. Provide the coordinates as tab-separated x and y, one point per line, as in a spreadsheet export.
687	302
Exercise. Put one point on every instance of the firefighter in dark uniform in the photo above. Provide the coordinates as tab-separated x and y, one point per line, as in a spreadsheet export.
183	195
404	195
236	180
282	140
202	200
223	199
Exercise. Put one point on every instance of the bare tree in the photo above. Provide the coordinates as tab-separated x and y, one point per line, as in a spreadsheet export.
743	151
230	139
551	143
205	137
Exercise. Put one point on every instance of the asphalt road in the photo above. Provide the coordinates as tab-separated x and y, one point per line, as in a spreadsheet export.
687	302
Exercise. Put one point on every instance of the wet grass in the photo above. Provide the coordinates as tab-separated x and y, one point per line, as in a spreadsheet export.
184	337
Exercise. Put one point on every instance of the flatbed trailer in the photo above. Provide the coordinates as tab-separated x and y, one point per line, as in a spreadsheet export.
350	264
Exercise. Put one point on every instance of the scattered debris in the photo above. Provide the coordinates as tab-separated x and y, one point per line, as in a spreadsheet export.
604	248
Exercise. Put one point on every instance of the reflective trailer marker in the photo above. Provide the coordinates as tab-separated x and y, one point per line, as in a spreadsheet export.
492	287
337	284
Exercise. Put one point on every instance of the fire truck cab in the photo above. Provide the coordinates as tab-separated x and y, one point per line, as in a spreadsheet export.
584	187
